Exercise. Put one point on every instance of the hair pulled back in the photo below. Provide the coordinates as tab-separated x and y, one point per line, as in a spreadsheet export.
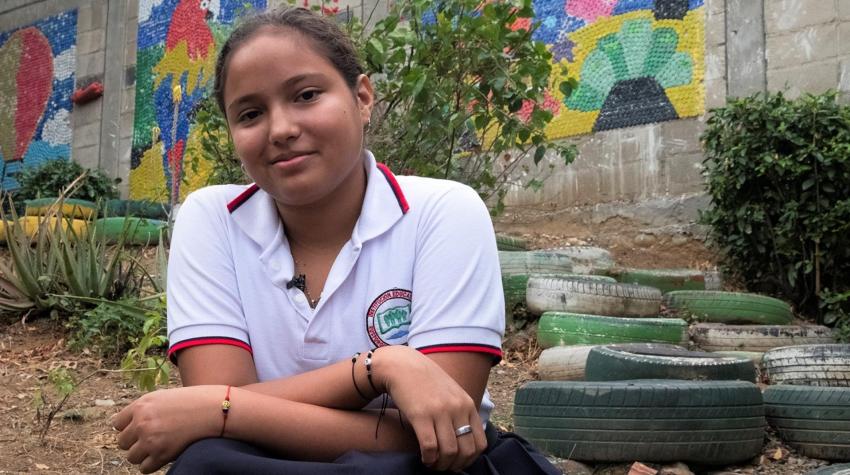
325	35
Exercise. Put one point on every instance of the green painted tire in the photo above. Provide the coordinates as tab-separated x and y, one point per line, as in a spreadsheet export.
139	231
668	280
71	207
138	209
559	329
813	420
661	361
840	469
534	262
728	307
707	422
510	243
587	259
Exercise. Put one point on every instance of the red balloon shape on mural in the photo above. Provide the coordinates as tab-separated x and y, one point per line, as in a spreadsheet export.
26	82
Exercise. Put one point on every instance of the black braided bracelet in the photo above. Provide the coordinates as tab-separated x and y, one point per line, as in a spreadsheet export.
354	380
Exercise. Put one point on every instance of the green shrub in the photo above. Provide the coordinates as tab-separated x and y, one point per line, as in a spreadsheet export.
214	146
777	172
450	78
52	176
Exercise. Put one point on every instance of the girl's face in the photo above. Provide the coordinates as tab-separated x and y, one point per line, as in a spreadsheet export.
296	125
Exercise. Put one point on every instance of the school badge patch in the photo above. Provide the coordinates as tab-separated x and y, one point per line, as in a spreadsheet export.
388	318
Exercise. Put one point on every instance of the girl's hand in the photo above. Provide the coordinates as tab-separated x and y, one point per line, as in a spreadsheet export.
158	426
434	404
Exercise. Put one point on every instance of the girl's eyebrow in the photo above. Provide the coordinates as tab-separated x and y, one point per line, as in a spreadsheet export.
286	84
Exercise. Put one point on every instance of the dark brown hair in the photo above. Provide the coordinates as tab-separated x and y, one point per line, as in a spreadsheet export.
325	35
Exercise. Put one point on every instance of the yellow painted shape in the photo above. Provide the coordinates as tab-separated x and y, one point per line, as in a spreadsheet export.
31	224
176	61
147	181
68	209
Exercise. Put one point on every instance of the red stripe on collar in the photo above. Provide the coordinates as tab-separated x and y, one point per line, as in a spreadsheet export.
399	196
242	198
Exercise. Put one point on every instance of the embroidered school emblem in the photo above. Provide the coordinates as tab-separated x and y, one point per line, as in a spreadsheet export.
388	318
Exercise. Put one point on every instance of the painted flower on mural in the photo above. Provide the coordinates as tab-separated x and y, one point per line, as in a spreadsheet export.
635	61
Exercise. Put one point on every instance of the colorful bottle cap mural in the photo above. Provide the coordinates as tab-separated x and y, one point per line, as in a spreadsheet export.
37	64
175	63
636	61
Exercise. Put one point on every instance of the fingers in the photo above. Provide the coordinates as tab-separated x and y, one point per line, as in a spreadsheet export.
127	438
447	443
122	419
150	465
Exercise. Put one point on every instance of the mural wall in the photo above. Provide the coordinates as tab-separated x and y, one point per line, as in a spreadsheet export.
175	63
636	61
37	64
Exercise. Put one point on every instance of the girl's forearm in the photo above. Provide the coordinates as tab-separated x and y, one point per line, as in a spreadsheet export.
309	432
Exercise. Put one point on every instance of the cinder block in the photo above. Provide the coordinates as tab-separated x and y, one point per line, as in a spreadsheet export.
87	157
844	77
681	136
91	41
639	143
128	100
90	64
714	7
715	29
844	38
788	15
86	135
814	78
812	43
844	10
684	174
715	63
715	94
86	114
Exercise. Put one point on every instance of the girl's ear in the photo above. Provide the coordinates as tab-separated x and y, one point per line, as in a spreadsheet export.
365	97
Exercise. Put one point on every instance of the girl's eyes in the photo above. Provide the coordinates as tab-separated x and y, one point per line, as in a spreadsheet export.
248	115
308	95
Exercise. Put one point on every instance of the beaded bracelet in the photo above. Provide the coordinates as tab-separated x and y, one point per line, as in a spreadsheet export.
368	363
225	408
354	380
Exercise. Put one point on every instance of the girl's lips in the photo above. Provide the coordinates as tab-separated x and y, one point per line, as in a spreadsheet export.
291	163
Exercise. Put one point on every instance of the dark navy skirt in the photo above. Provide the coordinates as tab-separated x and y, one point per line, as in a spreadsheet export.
507	454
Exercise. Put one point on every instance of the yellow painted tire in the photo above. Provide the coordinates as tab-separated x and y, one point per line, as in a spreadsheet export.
71	208
31	224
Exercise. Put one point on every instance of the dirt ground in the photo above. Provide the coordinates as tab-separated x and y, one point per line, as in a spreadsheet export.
80	439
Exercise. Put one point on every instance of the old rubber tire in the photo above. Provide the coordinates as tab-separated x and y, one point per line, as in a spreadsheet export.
71	207
664	361
815	421
728	307
840	469
137	209
546	294
708	422
515	285
510	243
559	329
563	363
587	259
813	365
759	338
534	262
668	280
139	231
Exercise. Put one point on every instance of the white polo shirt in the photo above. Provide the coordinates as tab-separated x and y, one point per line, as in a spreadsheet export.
421	269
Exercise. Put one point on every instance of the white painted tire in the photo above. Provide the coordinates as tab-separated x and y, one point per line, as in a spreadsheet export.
587	259
754	356
547	294
563	363
758	338
811	365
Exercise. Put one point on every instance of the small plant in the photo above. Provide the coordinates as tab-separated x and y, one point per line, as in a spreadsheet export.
53	176
836	312
777	173
145	363
63	386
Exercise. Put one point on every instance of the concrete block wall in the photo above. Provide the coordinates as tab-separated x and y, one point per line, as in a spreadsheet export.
808	46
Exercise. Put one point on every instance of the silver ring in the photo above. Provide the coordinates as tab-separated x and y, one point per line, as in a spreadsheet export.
463	430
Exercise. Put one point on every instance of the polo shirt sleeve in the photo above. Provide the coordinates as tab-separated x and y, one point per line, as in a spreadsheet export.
204	306
458	303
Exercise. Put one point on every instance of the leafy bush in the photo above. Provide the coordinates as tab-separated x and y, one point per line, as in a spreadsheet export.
52	176
215	146
145	363
451	78
777	172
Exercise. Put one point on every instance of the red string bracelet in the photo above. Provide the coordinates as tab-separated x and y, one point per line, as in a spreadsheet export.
225	408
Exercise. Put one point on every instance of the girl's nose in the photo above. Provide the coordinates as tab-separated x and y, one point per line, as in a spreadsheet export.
283	126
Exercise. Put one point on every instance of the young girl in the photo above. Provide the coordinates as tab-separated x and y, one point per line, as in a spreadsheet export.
295	303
